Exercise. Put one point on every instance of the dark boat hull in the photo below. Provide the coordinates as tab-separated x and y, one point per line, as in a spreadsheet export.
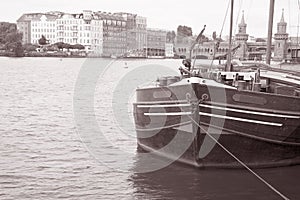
260	129
252	152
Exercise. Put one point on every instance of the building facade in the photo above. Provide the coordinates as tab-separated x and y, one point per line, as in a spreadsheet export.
24	26
43	25
256	49
136	34
169	50
293	52
183	45
141	32
34	25
101	33
156	41
84	28
114	34
284	48
213	49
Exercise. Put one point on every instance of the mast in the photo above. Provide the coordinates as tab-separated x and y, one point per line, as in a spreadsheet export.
270	27
198	39
228	66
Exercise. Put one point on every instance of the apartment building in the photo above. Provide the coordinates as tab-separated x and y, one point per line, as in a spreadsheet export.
156	41
136	34
102	33
84	28
114	34
44	24
34	25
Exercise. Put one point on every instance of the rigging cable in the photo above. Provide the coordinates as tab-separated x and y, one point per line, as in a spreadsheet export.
224	19
249	8
290	24
241	162
238	15
226	13
298	26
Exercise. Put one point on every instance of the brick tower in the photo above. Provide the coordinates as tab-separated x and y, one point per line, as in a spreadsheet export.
241	39
280	43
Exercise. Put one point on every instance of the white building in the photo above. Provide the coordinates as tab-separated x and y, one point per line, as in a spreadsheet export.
101	33
43	25
141	28
34	25
169	50
136	33
85	29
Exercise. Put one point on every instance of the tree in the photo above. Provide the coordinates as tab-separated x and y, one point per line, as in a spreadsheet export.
184	31
15	47
14	43
67	46
19	51
13	37
43	40
260	40
204	38
30	47
78	46
171	35
60	45
52	48
5	29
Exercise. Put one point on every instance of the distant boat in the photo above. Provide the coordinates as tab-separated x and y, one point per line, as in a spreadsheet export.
205	116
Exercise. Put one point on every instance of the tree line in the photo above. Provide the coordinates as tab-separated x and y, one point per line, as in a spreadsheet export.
11	42
186	31
11	39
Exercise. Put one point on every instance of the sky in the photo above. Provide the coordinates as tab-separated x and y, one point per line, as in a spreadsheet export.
168	14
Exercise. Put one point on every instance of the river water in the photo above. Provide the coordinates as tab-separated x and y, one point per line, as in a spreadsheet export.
55	144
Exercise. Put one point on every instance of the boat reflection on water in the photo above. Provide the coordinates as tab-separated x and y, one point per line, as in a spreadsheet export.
179	181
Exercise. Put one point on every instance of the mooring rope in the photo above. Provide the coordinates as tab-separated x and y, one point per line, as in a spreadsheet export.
241	162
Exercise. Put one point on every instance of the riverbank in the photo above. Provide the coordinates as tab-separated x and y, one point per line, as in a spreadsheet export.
284	66
44	54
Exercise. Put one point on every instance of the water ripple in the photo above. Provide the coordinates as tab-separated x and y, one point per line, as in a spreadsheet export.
42	155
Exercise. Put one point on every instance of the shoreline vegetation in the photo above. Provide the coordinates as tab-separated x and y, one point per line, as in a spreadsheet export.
11	45
42	54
